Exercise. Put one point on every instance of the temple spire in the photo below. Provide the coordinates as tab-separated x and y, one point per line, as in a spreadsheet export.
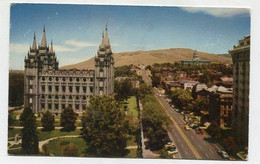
34	42
106	38
43	41
51	49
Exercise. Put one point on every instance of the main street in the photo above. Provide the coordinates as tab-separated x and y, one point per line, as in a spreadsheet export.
189	144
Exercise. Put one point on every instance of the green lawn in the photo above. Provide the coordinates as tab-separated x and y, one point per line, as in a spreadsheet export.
131	141
132	153
55	147
44	135
132	107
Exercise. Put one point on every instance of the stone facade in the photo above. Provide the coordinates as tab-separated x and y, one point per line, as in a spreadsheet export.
49	88
241	58
195	60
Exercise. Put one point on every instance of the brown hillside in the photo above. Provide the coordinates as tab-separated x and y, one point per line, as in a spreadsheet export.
153	56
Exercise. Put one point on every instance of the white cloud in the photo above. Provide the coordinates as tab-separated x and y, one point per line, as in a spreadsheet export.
17	47
217	12
79	44
61	48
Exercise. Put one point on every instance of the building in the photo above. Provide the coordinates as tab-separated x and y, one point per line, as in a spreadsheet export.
241	58
220	105
46	87
195	60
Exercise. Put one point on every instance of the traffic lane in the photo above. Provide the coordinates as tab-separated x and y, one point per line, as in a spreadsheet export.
180	142
204	148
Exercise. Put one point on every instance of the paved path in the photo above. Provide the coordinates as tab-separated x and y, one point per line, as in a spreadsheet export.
40	127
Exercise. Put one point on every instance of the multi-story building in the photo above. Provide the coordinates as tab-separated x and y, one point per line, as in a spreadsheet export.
46	87
241	58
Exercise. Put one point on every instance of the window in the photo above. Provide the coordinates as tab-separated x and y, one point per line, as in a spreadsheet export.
56	106
56	97
49	97
84	79
43	88
84	89
77	79
91	89
63	97
83	107
70	97
77	97
63	88
63	106
50	78
64	79
49	106
57	88
71	79
57	79
84	97
77	88
43	97
70	88
43	78
77	107
50	88
43	105
91	79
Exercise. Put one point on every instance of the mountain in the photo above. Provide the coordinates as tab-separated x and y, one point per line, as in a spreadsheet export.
153	56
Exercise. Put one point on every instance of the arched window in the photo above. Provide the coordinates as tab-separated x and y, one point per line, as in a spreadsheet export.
56	97
50	78
84	79
64	79
84	97
77	79
77	97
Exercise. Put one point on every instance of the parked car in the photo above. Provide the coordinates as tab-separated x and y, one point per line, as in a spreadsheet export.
169	144
187	127
172	150
198	131
223	154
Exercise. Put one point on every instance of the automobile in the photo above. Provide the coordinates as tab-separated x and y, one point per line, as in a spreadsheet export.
187	128
172	150
223	154
169	144
198	131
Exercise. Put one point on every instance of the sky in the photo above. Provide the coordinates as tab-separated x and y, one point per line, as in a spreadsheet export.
76	30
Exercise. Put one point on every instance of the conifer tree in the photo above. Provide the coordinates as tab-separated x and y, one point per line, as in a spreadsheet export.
29	134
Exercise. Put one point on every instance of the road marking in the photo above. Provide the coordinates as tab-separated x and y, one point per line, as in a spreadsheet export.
183	135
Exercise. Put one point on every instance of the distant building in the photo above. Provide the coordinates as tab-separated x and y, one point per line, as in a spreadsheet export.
200	90
46	87
195	60
188	84
241	57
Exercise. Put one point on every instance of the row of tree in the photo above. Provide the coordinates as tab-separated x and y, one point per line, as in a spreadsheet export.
155	123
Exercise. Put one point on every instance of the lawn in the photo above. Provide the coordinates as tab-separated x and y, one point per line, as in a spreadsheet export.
55	147
132	107
132	153
44	135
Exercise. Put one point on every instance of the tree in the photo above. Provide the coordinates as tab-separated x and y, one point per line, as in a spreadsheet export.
48	121
70	150
68	119
16	89
105	128
29	133
10	118
123	89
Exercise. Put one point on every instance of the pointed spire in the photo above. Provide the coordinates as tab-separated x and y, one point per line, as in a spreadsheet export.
43	41
106	39
51	49
34	47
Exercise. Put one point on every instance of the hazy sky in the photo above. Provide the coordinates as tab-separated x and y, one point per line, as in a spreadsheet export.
76	29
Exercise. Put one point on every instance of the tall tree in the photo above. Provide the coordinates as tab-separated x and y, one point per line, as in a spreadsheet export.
105	128
48	121
29	134
68	119
16	84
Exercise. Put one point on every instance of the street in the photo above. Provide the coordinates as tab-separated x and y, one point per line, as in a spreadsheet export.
189	144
